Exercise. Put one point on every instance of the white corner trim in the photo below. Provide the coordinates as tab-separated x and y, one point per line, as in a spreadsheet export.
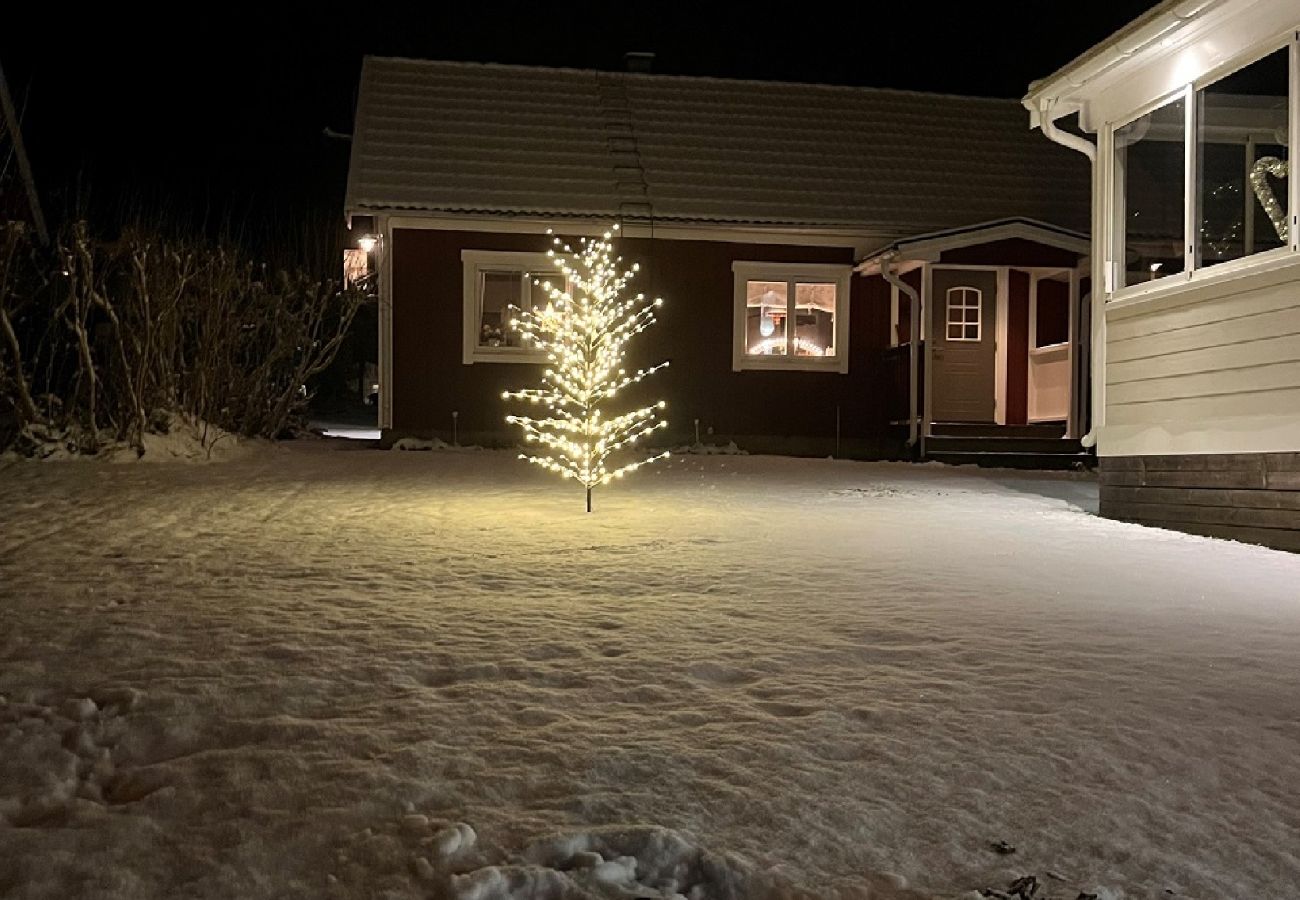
791	273
473	262
385	323
927	327
1000	348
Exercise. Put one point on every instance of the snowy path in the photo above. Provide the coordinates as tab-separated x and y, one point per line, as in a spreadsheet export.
848	675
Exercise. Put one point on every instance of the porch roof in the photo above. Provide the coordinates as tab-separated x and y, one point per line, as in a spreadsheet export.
930	246
453	138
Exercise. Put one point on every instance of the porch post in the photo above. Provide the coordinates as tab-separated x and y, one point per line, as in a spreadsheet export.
1001	349
1072	423
385	323
914	374
926	290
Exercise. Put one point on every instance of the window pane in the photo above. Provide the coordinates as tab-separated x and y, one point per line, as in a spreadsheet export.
962	312
1241	145
1149	194
538	295
499	304
814	325
1052	319
765	315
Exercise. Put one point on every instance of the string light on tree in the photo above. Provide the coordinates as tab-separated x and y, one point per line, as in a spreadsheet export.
584	330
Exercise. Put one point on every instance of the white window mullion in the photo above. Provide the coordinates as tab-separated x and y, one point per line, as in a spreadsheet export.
1293	125
1191	211
1248	200
790	288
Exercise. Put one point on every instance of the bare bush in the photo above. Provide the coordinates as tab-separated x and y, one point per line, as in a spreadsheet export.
103	341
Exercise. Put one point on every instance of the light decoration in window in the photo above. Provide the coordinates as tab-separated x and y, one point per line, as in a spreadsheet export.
1259	172
790	318
776	345
1241	140
584	329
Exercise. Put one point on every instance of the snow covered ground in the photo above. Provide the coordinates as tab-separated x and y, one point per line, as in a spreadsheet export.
315	672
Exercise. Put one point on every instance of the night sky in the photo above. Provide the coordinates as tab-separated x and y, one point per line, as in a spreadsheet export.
218	118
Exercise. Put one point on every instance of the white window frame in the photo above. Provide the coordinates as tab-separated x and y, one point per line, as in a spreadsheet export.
1035	280
792	274
979	314
1195	274
474	263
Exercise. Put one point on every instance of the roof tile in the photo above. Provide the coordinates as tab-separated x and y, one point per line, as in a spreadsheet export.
461	137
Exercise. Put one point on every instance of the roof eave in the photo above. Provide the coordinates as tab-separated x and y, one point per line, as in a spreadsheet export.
862	229
929	247
1062	91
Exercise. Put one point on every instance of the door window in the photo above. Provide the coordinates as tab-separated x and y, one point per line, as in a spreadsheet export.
964	307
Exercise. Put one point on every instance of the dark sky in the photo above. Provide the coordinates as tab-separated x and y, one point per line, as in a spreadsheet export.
222	111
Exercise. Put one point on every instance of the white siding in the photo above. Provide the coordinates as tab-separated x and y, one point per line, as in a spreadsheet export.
1209	369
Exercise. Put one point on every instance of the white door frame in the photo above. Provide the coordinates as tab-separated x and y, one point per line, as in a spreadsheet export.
927	287
1072	281
1000	347
385	368
1072	420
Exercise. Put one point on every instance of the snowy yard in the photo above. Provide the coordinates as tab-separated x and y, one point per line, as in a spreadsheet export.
318	672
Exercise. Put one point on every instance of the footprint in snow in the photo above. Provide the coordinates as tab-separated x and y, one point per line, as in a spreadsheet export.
785	710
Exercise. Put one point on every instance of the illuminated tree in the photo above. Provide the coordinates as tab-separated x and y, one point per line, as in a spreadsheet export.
584	330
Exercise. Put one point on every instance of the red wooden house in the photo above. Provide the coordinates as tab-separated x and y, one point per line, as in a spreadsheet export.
788	228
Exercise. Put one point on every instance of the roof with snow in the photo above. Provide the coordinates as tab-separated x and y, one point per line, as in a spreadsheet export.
931	246
474	138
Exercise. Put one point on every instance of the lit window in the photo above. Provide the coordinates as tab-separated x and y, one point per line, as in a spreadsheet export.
498	287
964	307
1241	151
791	316
356	265
767	307
503	294
1149	195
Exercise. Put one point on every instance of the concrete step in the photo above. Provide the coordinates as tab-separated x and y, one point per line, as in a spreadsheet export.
1001	444
988	429
1013	460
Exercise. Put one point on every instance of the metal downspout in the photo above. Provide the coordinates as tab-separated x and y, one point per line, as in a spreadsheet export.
1097	356
914	353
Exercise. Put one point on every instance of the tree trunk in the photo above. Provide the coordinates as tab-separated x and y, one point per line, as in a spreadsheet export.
26	407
